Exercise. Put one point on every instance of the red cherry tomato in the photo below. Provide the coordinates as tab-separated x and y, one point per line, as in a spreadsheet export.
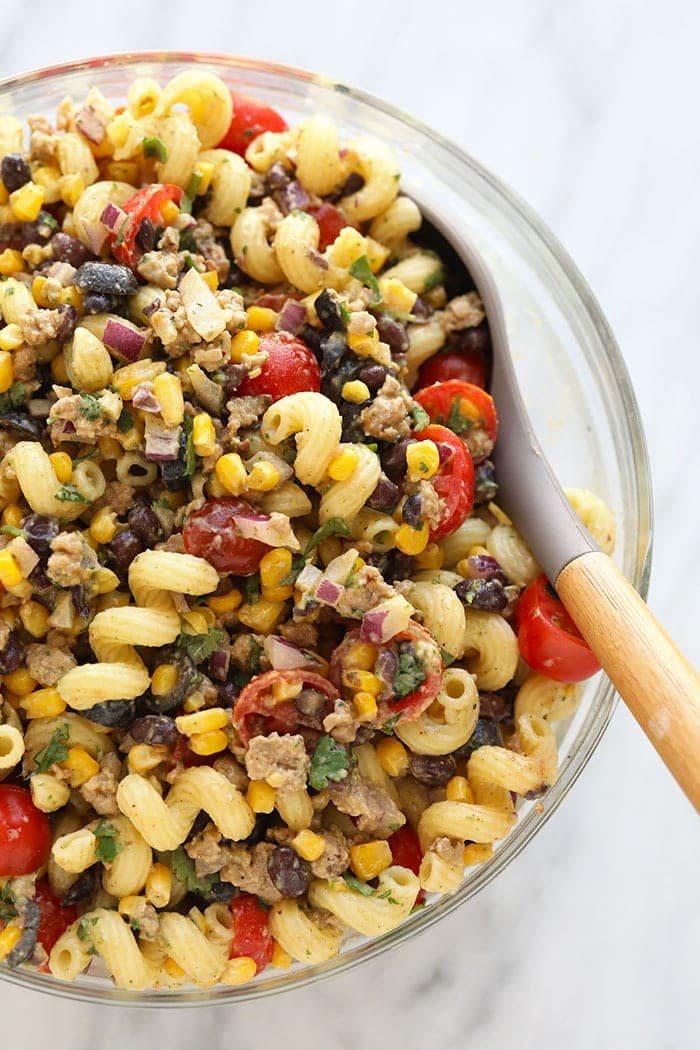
25	832
146	203
250	118
549	639
251	935
54	919
256	712
466	409
427	652
330	222
212	533
454	482
290	368
466	365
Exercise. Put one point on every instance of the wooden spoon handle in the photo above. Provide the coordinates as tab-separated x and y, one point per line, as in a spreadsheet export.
658	684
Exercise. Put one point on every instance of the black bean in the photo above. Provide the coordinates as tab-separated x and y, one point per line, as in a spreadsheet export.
385	495
313	337
373	376
69	319
310	702
12	655
472	340
393	332
21	424
27	942
486	733
289	873
432	770
116	713
144	521
488	595
187	676
336	359
69	250
123	549
98	303
352	184
220	892
484	567
277	177
107	278
41	530
292	198
154	729
15	171
485	484
146	235
228	693
411	509
329	313
495	708
84	887
350	416
394	459
400	567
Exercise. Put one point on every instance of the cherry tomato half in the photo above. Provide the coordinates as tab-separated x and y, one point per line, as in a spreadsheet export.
256	712
250	118
466	409
290	368
146	203
330	222
251	936
549	639
212	533
25	832
54	919
469	367
454	482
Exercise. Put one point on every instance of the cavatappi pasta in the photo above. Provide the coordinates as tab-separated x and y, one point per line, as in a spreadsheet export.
260	666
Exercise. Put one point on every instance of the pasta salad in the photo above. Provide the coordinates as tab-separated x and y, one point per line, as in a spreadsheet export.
275	665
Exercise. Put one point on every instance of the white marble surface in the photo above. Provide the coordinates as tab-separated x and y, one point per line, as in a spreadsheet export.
589	109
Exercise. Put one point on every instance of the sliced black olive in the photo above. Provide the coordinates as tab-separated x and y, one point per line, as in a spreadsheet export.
27	942
117	713
21	424
84	887
187	676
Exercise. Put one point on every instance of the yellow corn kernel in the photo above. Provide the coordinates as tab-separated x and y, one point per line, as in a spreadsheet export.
477	853
362	655
365	707
431	558
80	766
262	617
196	621
11	336
309	845
49	178
211	279
362	345
167	390
393	756
58	369
410	540
63	466
42	703
203	434
457	790
9	615
260	796
355	391
243	344
344	465
126	379
260	319
231	472
274	566
396	297
26	202
173	969
39	292
20	681
159	884
277	594
8	939
144	758
129	904
202	721
362	681
281	959
169	212
225	603
10	573
11	261
164	679
422	459
282	690
369	859
35	618
348	246
263	477
105	581
377	254
209	743
7	372
239	970
12	515
103	527
72	296
203	173
71	188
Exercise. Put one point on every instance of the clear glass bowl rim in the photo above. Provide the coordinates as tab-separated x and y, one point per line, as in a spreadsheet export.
639	574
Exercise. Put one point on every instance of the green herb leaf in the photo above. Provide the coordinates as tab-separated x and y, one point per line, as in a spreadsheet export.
332	527
291	578
155	147
14	397
12	530
256	651
7	904
84	931
390	724
90	407
358	887
190	456
362	271
55	750
410	674
44	218
456	422
161	502
386	895
199	647
331	761
70	494
107	846
344	311
447	658
92	454
252	588
187	241
125	421
421	419
434	279
183	868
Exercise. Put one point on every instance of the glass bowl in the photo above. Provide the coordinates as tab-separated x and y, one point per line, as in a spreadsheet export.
570	368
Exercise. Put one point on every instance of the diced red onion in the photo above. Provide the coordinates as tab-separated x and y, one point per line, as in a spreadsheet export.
112	216
282	654
292	316
328	592
386	620
125	341
372	627
145	400
90	124
218	664
162	443
96	234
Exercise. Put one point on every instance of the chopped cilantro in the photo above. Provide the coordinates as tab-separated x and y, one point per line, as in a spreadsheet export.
331	761
252	589
358	887
291	577
256	651
134	924
190	457
155	147
187	242
92	454
332	527
395	827
107	846
190	264
410	674
70	494
125	421
183	869
45	219
447	658
7	904
362	270
199	647
458	423
90	407
14	397
421	419
434	279
55	750
83	930
12	530
386	895
344	311
390	724
162	502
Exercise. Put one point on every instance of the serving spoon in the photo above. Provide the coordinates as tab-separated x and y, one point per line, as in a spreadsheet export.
658	684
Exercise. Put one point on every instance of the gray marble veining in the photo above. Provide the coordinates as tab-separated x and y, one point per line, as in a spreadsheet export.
589	109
